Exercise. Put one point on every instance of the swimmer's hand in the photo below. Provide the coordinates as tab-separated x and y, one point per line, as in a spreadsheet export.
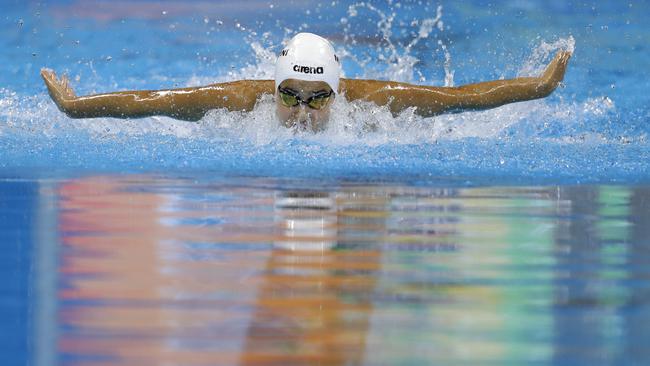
554	73
59	89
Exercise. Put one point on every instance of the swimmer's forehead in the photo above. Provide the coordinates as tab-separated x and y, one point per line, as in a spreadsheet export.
305	86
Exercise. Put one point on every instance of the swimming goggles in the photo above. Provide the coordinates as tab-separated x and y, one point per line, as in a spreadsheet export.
291	99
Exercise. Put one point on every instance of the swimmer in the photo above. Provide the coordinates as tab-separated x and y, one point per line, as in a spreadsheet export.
307	80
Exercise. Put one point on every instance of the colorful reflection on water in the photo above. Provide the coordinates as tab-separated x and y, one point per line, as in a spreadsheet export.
138	270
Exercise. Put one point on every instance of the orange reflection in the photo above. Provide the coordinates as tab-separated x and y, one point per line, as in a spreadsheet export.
314	303
129	299
152	276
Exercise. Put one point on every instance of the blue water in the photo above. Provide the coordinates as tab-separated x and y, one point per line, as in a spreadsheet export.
508	236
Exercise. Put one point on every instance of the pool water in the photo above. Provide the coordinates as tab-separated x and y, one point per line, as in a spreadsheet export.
140	269
517	235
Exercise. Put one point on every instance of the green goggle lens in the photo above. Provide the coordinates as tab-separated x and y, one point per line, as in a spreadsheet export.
290	99
318	102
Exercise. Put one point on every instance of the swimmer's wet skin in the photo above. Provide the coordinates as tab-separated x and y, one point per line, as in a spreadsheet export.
308	68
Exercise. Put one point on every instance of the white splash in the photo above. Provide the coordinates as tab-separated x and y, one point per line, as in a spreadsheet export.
537	61
397	62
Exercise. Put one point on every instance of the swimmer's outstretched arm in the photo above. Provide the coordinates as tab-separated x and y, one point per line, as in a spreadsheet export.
189	104
430	101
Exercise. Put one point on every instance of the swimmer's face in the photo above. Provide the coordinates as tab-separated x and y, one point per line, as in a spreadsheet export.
310	114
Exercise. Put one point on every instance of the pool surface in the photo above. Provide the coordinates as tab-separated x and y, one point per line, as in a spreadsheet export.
517	235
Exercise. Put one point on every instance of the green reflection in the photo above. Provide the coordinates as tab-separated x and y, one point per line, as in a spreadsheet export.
484	295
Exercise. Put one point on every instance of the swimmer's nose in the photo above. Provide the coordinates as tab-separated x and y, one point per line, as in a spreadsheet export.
302	115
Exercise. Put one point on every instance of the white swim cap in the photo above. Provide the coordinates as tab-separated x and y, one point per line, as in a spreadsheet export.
308	57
